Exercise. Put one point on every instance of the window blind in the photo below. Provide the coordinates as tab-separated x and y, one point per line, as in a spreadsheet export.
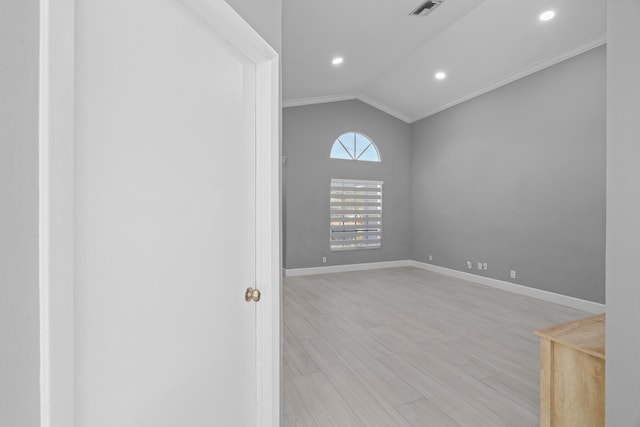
355	218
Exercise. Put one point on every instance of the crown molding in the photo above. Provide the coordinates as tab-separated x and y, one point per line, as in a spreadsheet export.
509	78
382	107
523	72
335	98
297	102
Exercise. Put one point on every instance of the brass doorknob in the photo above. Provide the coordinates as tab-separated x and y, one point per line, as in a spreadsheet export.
252	295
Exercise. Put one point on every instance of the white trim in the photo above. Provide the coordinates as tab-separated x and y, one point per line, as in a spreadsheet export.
580	304
292	272
43	218
297	102
225	21
523	72
346	97
385	108
268	278
55	212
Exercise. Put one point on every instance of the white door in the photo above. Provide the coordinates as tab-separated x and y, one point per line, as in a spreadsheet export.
165	220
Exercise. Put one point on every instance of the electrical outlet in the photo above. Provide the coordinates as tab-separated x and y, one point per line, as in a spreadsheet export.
484	266
469	264
430	257
513	274
479	266
324	259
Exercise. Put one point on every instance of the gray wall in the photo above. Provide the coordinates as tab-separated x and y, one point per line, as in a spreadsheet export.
308	134
19	321
623	214
516	178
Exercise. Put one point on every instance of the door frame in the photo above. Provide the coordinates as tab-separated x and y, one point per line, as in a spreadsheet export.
56	205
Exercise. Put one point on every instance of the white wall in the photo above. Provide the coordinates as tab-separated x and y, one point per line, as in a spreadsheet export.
623	214
19	322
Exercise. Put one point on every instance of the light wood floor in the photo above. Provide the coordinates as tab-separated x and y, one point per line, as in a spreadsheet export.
407	347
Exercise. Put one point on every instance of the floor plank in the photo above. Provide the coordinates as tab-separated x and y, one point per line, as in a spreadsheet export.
355	389
298	361
408	347
423	413
324	403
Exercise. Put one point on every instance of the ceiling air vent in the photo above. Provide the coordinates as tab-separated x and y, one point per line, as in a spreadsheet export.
426	7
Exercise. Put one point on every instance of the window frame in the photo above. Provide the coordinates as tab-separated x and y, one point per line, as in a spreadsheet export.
371	220
353	156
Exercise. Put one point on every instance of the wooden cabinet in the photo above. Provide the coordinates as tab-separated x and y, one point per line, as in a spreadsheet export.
572	373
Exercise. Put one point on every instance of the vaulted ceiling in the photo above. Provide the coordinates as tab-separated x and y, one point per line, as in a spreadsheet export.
390	58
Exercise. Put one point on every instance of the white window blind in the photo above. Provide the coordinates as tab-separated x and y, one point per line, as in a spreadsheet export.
355	220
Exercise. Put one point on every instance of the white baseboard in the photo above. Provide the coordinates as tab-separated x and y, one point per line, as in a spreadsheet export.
349	267
580	304
577	303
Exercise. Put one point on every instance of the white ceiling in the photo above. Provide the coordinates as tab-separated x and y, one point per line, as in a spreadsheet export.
390	58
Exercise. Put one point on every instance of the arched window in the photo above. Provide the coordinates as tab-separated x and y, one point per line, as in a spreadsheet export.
354	146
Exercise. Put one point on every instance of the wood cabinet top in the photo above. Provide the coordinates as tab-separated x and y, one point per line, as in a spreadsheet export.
586	335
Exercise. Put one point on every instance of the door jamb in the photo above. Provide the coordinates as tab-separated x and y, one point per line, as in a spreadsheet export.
56	205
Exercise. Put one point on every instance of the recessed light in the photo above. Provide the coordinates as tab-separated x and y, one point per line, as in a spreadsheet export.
337	60
440	75
546	16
